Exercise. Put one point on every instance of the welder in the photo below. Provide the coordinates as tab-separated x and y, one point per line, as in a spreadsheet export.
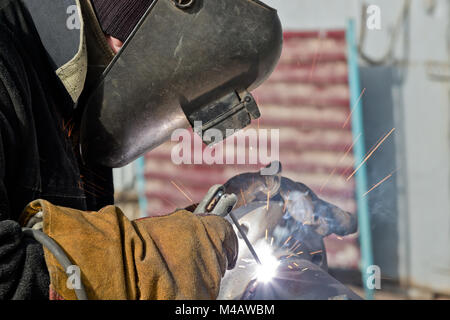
86	90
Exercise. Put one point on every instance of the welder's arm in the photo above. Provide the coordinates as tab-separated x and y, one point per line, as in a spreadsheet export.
23	272
179	256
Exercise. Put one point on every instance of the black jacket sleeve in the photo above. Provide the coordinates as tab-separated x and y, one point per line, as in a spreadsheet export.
23	272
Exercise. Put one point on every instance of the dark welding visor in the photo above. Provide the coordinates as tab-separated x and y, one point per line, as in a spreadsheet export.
186	61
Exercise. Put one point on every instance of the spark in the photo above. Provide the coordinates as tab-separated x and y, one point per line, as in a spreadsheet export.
379	183
268	200
169	202
346	171
71	129
367	153
93	173
295	243
179	189
353	109
296	264
243	197
305	269
371	153
68	126
371	149
328	179
315	252
94	190
299	253
84	190
339	238
242	267
187	191
287	241
339	162
267	233
353	162
290	267
296	247
91	193
271	242
93	185
350	148
65	125
315	60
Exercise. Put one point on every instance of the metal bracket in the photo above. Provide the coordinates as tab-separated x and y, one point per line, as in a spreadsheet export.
183	4
233	111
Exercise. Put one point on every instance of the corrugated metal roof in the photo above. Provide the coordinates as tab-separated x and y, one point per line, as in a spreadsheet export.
307	99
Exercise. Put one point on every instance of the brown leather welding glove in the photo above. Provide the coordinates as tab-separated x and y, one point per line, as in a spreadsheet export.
179	256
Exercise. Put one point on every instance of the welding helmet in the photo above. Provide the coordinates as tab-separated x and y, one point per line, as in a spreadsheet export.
185	61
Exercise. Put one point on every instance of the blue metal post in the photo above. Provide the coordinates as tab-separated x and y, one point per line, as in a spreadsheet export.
365	237
141	185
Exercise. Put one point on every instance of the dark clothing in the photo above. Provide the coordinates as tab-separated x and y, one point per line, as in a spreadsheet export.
39	156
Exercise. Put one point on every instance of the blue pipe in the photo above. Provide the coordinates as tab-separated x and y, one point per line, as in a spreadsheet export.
359	151
141	186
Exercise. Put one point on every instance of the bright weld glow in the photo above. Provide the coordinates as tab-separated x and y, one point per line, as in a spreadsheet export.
269	264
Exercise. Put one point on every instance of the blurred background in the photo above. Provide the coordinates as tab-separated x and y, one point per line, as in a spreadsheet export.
358	80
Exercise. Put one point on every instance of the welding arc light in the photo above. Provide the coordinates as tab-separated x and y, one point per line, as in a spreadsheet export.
267	270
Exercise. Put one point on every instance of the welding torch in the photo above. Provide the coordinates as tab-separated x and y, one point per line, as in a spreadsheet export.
218	202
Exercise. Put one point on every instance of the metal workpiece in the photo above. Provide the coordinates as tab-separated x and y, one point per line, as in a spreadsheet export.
302	273
283	220
181	65
300	203
299	279
255	186
303	205
267	229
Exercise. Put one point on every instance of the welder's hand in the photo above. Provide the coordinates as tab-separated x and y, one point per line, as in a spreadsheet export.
33	219
197	250
179	256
